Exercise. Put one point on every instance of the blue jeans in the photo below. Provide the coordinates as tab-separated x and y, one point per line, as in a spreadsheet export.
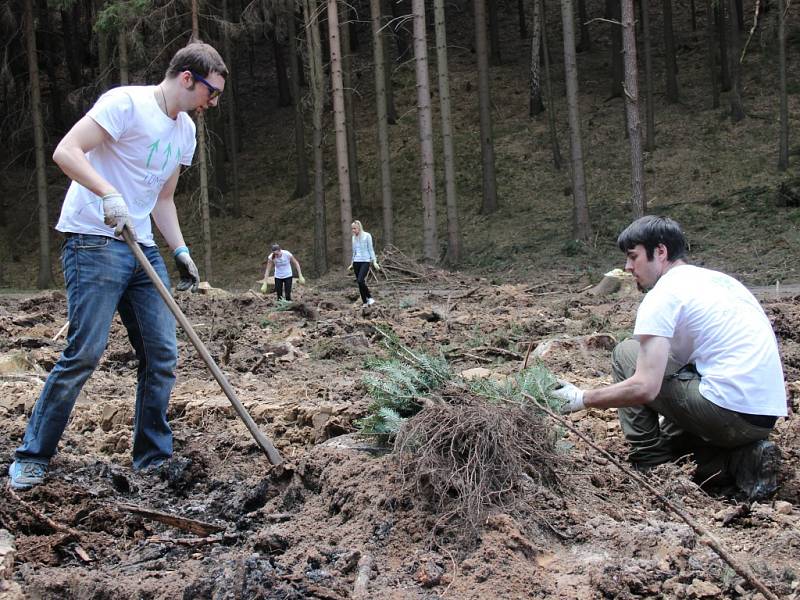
102	277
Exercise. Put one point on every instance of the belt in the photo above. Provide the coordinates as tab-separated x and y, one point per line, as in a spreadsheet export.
767	421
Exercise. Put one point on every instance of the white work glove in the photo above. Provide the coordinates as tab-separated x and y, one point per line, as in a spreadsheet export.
376	265
570	395
301	279
115	213
190	276
264	288
350	268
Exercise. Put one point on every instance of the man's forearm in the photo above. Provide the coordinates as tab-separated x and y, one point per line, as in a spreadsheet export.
165	216
625	393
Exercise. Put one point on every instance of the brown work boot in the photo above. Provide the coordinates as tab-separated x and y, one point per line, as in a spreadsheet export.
754	467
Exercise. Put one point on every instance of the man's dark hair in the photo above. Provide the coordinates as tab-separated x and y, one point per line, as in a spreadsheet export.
650	231
198	57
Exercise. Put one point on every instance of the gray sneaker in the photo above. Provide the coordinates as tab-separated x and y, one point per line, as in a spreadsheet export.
754	467
24	474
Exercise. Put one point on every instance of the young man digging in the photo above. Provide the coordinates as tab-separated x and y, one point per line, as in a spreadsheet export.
124	158
702	373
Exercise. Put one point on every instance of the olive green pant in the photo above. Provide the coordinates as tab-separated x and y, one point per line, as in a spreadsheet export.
691	424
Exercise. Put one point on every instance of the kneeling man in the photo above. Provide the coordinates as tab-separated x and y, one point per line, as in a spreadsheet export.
701	374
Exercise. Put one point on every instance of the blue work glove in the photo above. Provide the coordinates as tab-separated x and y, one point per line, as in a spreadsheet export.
115	214
570	395
190	276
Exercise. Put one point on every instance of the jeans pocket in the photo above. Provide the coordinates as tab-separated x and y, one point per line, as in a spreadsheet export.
88	242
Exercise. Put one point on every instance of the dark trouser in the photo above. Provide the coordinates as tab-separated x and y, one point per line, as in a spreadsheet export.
361	270
283	288
691	424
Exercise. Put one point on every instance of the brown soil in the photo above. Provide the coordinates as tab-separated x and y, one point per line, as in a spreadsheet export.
301	530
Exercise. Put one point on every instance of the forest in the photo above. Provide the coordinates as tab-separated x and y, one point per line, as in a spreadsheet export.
494	149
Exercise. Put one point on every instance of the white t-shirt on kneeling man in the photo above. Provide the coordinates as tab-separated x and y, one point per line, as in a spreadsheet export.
714	322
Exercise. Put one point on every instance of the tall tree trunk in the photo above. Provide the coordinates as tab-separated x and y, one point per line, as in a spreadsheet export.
783	145
650	111
535	105
586	39
46	36
693	15
430	241
103	53
349	113
722	32
443	70
73	55
378	48
489	204
523	26
302	186
399	17
388	63
616	69
551	108
494	34
284	97
670	65
345	209
737	109
581	227
205	216
45	278
316	78
711	52
231	131
122	48
638	197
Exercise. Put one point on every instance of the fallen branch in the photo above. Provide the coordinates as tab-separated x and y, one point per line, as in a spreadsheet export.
43	517
364	575
191	525
61	331
211	539
498	352
704	533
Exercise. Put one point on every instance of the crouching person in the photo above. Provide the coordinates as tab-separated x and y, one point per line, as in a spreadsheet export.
701	375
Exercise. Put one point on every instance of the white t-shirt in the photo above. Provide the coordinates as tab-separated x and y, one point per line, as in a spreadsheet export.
283	266
148	146
714	322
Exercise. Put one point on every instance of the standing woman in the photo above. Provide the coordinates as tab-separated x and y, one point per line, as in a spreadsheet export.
363	256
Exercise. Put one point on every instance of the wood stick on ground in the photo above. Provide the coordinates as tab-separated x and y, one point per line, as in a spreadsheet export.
527	354
61	331
191	525
704	533
43	517
364	575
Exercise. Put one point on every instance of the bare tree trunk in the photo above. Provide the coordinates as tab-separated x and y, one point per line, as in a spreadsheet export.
391	110
494	34
580	215
650	111
103	52
122	48
229	106
46	38
399	18
523	27
693	14
317	82
378	48
347	83
487	142
725	73
535	105
205	216
45	278
711	52
638	197
345	209
616	70
586	39
551	109
284	97
737	109
451	194
73	54
430	241
670	65
783	145
302	185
